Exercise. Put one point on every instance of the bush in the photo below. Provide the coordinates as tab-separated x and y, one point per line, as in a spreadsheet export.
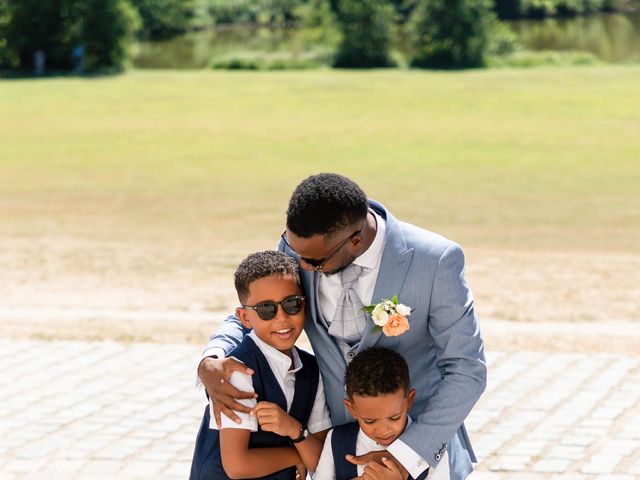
285	60
449	34
366	27
502	40
544	58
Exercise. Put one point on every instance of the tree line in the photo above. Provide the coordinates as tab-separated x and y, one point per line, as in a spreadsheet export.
93	35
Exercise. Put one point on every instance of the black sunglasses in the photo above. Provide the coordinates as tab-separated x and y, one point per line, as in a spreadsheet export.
319	263
268	310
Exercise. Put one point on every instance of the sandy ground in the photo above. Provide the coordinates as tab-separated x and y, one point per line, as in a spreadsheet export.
70	289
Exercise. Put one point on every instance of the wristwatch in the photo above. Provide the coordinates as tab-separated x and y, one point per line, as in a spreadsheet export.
304	434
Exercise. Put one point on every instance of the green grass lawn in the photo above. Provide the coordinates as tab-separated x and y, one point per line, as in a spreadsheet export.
540	159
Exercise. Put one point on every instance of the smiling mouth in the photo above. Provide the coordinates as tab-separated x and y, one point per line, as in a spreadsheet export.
284	332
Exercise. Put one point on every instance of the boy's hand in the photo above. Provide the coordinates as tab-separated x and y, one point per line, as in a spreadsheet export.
382	459
301	472
273	419
215	375
388	470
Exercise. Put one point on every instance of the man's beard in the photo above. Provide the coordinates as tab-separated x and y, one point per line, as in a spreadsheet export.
339	269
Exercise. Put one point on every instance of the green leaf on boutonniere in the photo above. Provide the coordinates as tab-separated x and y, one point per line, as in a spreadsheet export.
369	308
395	299
376	329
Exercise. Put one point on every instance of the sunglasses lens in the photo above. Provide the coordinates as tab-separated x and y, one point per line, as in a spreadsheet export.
292	305
267	310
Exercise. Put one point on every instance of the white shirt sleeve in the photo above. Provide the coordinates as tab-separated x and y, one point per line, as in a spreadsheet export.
326	469
409	459
241	381
319	418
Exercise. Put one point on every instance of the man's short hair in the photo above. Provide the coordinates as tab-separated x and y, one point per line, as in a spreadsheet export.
325	204
263	264
376	371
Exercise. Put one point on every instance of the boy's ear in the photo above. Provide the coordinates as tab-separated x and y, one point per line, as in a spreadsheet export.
410	398
241	313
349	405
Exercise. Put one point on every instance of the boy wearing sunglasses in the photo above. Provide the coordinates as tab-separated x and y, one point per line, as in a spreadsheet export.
283	433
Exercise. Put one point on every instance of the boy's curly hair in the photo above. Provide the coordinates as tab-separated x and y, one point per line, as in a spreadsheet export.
376	371
263	264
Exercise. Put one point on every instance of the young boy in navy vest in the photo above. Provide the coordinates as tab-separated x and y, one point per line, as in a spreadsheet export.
284	432
379	397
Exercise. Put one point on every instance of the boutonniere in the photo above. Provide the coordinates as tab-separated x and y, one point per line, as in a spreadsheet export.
389	316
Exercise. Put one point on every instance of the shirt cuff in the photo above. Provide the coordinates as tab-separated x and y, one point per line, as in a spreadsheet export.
209	352
319	426
409	459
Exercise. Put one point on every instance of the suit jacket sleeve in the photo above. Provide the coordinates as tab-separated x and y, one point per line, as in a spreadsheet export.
460	360
227	337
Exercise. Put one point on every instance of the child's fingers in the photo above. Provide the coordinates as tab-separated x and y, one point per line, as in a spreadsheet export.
264	405
390	464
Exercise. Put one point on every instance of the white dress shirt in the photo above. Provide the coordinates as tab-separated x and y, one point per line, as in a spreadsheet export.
280	365
329	289
326	468
330	286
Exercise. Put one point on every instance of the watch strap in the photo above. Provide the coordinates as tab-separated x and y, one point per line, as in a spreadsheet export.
304	433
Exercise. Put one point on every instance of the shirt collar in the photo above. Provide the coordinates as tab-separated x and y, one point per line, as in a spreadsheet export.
278	361
372	255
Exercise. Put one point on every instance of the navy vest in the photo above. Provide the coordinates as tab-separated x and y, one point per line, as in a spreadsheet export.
343	442
207	462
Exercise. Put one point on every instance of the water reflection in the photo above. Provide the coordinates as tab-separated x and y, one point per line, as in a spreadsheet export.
611	37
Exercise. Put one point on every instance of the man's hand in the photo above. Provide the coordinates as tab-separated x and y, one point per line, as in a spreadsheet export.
215	375
273	419
381	459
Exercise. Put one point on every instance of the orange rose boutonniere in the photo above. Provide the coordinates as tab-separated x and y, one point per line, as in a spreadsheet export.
389	316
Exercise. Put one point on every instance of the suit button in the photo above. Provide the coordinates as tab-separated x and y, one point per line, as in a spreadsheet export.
438	457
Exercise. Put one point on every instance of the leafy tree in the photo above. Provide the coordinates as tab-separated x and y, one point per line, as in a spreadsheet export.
166	18
366	27
49	27
57	28
5	54
108	27
450	34
508	9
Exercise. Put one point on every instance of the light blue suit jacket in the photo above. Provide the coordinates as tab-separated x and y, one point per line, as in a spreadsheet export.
443	347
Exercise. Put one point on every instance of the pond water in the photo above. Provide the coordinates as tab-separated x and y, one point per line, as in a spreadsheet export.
611	37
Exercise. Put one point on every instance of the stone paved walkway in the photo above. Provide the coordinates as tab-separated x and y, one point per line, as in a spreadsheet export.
79	410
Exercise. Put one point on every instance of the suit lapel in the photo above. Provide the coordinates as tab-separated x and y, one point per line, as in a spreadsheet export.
394	265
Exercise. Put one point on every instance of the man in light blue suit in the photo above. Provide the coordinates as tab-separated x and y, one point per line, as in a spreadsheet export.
354	252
